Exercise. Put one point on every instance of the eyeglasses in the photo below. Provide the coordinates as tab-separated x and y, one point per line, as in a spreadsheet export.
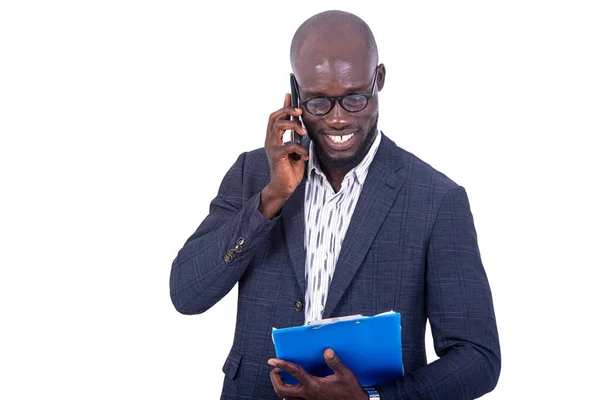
351	102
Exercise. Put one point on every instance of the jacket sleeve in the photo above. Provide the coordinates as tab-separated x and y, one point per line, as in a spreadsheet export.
461	314
203	273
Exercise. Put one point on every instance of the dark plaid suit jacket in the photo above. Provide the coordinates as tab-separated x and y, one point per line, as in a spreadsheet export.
411	247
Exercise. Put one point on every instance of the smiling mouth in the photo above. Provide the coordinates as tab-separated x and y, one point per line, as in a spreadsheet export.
341	141
340	138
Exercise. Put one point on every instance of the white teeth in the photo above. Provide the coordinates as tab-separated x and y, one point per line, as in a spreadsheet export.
340	139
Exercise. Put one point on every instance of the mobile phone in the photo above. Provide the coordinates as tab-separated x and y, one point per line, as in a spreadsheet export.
295	137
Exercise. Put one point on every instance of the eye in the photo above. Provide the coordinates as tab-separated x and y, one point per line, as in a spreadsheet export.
355	102
319	105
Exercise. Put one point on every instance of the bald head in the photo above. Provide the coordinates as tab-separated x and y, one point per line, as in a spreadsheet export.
334	59
333	35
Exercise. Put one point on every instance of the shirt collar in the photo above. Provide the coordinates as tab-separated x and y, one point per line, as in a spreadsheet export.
359	172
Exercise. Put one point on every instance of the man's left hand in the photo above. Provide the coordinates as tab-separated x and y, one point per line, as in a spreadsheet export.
341	385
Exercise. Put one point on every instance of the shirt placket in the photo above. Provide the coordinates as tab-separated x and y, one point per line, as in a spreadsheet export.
327	259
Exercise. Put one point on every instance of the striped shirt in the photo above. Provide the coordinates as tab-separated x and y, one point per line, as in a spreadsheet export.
327	215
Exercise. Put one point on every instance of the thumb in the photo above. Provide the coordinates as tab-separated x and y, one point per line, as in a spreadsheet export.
334	362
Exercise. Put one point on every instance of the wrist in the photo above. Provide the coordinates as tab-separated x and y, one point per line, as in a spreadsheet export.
271	202
371	393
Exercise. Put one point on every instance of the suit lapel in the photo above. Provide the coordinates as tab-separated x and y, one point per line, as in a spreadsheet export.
292	215
376	199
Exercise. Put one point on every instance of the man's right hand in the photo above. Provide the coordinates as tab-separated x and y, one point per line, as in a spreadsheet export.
286	171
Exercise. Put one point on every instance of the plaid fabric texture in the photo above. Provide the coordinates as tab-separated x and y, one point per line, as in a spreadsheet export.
410	246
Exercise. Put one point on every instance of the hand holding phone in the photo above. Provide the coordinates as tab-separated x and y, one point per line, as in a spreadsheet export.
286	160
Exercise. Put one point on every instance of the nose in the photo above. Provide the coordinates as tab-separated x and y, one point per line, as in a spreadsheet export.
337	118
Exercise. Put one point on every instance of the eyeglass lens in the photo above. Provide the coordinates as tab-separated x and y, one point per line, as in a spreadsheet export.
352	103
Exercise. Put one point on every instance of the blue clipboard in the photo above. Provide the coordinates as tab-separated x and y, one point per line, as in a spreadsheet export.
371	347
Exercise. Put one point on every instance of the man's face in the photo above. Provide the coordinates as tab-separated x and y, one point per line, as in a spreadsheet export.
341	138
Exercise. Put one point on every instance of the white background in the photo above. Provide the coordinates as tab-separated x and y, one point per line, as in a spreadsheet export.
118	120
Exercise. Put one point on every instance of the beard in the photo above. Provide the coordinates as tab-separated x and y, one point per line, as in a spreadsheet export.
345	164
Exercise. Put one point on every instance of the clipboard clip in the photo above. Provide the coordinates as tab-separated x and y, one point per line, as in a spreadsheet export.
322	322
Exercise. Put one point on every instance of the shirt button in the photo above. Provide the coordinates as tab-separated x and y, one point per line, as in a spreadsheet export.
298	306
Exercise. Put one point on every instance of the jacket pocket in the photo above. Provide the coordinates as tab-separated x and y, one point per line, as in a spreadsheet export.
232	364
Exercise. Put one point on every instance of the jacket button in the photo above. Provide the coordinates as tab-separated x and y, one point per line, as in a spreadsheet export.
298	306
231	253
228	258
240	241
237	248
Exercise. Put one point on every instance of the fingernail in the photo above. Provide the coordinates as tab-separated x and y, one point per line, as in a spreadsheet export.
298	110
329	354
271	363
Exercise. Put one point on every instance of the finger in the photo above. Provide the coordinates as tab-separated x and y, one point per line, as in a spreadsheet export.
334	362
293	369
290	148
285	113
282	125
282	389
287	101
286	124
276	379
282	114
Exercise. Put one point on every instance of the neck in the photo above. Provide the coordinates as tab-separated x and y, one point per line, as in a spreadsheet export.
335	177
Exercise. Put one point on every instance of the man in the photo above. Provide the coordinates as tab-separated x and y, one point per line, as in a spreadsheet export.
344	223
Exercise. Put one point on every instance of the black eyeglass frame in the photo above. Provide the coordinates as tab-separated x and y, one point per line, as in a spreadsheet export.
339	99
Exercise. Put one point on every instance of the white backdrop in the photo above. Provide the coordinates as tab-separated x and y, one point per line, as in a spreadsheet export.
118	120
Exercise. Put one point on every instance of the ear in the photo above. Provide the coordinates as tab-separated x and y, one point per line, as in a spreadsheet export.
380	77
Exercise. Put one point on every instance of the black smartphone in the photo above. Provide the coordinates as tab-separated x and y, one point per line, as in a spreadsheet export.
295	137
